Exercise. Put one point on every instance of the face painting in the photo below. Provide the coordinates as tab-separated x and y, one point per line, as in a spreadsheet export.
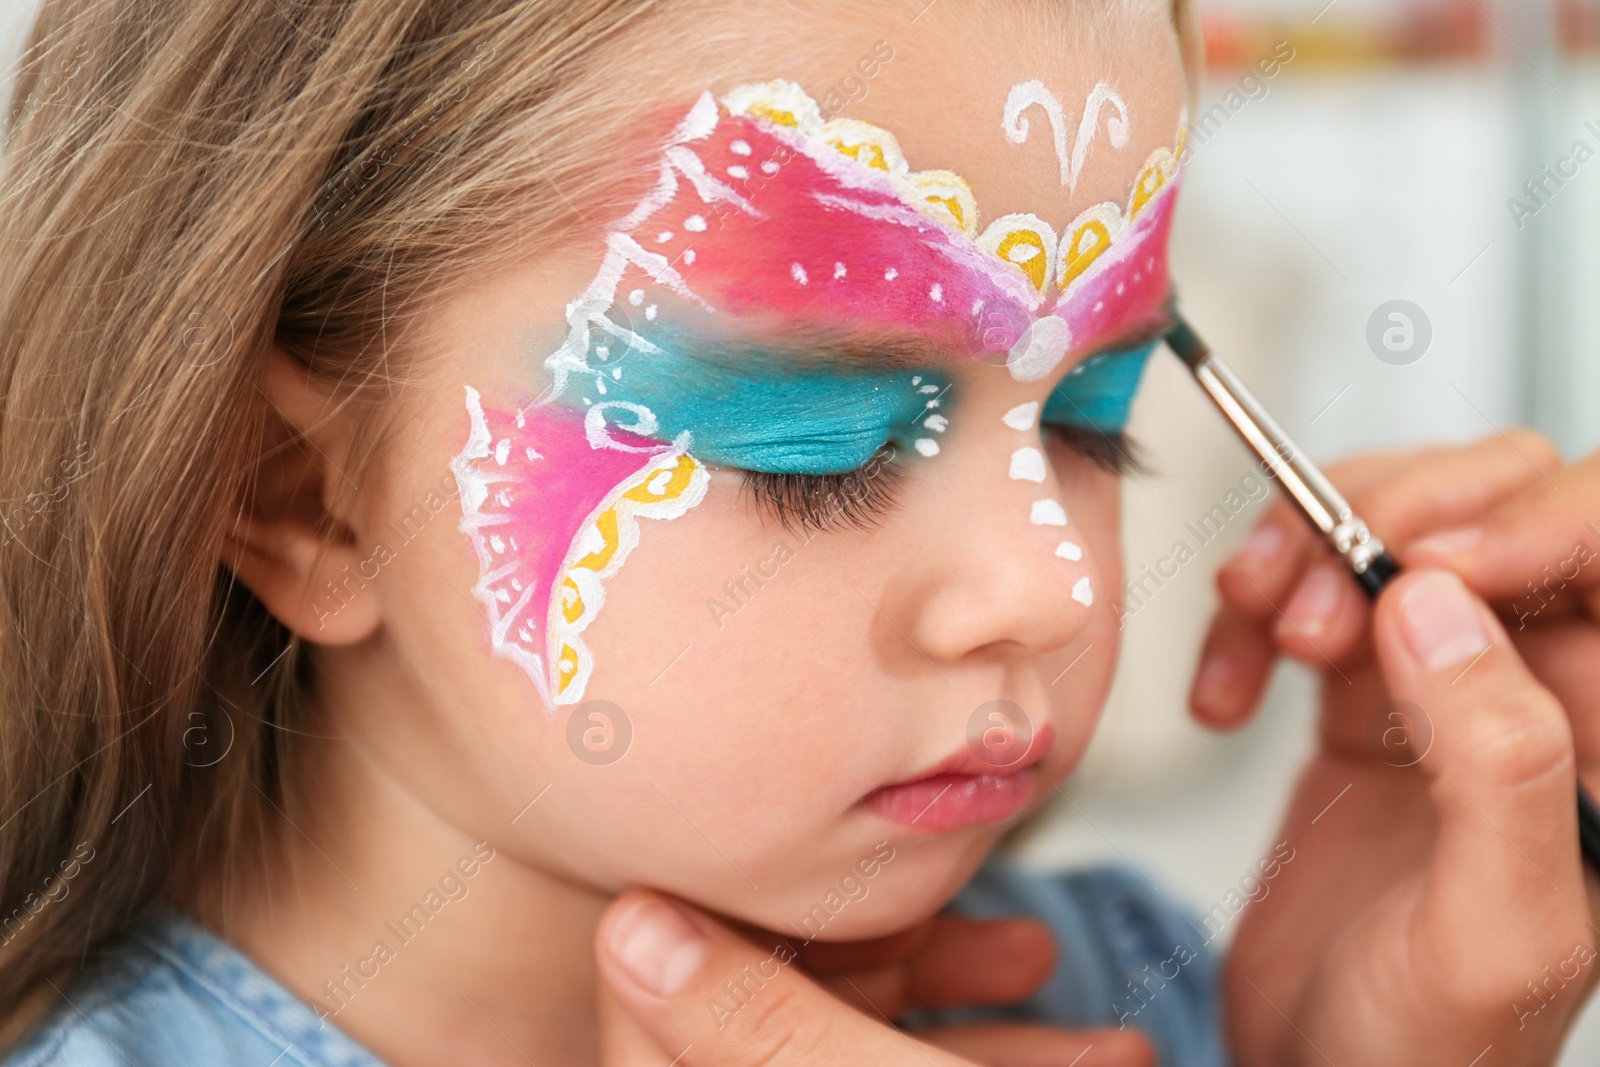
782	301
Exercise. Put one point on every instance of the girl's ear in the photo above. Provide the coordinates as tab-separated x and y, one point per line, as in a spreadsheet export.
295	544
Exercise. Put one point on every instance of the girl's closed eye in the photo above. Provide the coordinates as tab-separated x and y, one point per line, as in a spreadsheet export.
1113	452
857	499
1088	412
860	498
812	486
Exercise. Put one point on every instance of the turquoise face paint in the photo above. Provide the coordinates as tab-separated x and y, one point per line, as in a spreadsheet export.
759	410
1098	393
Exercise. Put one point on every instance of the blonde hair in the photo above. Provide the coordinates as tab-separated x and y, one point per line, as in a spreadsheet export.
185	183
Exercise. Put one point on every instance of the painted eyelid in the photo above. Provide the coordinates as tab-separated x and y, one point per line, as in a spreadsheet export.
1098	393
840	442
772	421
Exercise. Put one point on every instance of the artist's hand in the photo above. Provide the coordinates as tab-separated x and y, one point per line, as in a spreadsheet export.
1521	530
1425	903
664	963
1436	868
1284	593
1537	556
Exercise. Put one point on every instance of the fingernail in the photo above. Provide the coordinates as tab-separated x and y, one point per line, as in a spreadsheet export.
1450	542
1440	621
657	946
1211	681
1313	604
1260	548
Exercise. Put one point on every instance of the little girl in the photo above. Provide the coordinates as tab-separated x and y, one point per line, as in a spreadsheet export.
541	449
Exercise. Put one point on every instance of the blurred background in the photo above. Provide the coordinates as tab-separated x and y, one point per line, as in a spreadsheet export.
1385	160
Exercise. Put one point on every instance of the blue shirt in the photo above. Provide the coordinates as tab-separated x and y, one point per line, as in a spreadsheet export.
174	995
1127	956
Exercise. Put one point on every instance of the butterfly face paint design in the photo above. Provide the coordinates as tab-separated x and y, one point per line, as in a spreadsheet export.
762	213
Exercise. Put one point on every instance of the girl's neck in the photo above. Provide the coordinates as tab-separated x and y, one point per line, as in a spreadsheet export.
410	935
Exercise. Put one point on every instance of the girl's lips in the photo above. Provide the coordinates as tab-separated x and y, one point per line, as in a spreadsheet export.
953	801
963	791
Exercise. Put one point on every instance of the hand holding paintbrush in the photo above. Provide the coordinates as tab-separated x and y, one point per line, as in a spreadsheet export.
1362	555
1435	895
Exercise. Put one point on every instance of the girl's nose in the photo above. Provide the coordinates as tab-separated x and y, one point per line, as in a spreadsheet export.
1000	561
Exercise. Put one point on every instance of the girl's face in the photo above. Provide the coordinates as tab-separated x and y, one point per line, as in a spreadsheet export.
785	528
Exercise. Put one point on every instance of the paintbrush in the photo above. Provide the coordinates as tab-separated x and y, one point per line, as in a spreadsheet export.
1322	505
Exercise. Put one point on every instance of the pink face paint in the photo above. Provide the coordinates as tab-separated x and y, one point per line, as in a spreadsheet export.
1114	263
551	517
809	237
765	216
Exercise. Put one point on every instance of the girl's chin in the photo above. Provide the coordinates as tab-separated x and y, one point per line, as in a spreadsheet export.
923	876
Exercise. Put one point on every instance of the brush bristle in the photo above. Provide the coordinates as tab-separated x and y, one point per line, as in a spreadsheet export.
1185	343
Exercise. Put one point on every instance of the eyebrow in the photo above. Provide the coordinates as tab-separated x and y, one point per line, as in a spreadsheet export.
803	347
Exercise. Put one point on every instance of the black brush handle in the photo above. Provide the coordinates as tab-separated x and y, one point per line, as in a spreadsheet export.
1379	573
1588	828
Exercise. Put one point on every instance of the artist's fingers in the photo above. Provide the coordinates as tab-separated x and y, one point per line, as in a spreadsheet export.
1547	537
1325	620
824	958
623	1042
1255	585
970	962
1041	1046
868	974
957	962
1506	893
1565	658
1235	663
1444	485
1262	572
666	963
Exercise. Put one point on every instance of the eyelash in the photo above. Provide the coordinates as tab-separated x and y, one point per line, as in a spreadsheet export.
857	499
860	499
1115	452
